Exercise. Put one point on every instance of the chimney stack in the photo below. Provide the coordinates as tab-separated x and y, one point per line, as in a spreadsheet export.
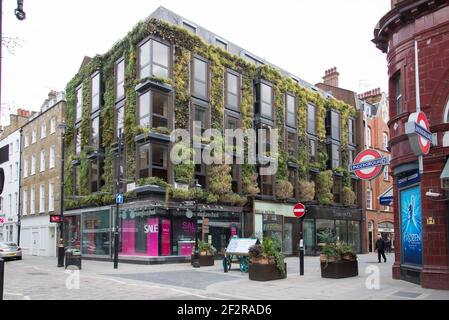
371	96
331	77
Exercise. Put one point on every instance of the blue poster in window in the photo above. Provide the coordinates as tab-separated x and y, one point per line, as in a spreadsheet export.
411	226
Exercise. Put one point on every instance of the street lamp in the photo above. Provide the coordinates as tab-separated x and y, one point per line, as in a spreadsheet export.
20	14
196	255
63	128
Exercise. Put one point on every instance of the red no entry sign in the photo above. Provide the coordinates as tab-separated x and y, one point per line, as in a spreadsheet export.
299	210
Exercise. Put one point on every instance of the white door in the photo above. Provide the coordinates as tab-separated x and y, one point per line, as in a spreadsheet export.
35	244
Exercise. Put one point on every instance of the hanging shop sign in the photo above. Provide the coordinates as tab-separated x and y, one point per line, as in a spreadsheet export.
418	131
368	164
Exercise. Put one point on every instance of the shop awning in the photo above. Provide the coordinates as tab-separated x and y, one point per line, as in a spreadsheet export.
386	198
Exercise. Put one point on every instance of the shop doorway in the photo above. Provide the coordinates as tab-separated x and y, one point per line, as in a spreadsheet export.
220	238
35	244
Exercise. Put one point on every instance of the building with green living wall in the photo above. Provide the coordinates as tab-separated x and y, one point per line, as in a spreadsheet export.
164	75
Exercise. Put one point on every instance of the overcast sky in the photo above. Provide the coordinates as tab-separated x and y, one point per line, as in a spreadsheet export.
303	37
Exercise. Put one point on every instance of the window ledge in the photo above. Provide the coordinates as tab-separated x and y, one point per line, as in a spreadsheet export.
95	154
142	87
149	189
292	165
144	137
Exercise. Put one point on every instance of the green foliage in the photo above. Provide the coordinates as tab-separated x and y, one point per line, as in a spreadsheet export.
206	247
324	187
306	190
284	190
272	250
155	181
220	179
348	196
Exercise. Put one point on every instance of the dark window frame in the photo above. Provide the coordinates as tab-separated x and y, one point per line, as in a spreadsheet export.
192	78
100	91
170	56
259	100
150	167
98	145
262	186
315	139
314	133
151	115
118	106
287	124
78	88
352	134
295	149
77	128
116	80
398	92
204	106
237	108
99	181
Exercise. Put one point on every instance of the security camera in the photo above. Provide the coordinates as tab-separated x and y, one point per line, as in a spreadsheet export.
433	194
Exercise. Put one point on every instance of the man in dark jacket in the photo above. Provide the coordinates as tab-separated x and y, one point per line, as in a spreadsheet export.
380	245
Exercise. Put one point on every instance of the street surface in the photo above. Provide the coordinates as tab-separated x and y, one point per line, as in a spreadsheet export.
38	278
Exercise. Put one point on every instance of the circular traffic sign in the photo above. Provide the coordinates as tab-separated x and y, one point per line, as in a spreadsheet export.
424	144
368	164
299	210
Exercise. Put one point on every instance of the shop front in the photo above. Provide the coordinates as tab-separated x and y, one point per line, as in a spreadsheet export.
273	219
150	229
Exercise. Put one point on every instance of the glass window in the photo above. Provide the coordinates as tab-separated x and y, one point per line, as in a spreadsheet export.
33	164
79	104
351	127
369	199
34	136
52	157
153	161
351	156
335	125
312	150
291	111
200	174
354	234
292	178
120	80
72	234
368	137
25	168
153	110
336	189
385	140
27	140
95	94
323	225
42	199
95	133
266	100
154	59
311	119
53	125
43	130
42	160
25	202
334	155
398	91
292	144
120	120
386	173
267	185
33	201
189	27
201	119
51	197
341	230
96	233
78	141
94	176
199	78
221	44
232	94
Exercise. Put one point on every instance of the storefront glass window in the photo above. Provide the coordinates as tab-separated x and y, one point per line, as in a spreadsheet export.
96	233
323	225
341	230
309	235
272	226
354	234
72	235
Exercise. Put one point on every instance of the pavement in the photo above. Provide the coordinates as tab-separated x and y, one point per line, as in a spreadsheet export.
38	278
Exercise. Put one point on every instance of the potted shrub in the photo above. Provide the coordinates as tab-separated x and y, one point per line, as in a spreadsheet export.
207	254
267	261
338	259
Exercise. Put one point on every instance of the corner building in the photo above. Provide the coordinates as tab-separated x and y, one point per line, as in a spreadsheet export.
167	73
423	259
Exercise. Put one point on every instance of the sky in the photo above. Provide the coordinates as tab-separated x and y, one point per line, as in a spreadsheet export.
304	37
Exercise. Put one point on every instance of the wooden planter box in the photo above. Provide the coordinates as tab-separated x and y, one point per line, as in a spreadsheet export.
339	269
265	272
205	261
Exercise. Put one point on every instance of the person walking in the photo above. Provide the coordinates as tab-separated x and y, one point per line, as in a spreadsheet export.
388	245
380	246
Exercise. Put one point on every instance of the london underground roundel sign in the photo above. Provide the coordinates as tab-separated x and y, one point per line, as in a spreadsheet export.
368	164
418	131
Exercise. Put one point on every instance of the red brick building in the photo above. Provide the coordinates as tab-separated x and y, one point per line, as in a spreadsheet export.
378	219
427	23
